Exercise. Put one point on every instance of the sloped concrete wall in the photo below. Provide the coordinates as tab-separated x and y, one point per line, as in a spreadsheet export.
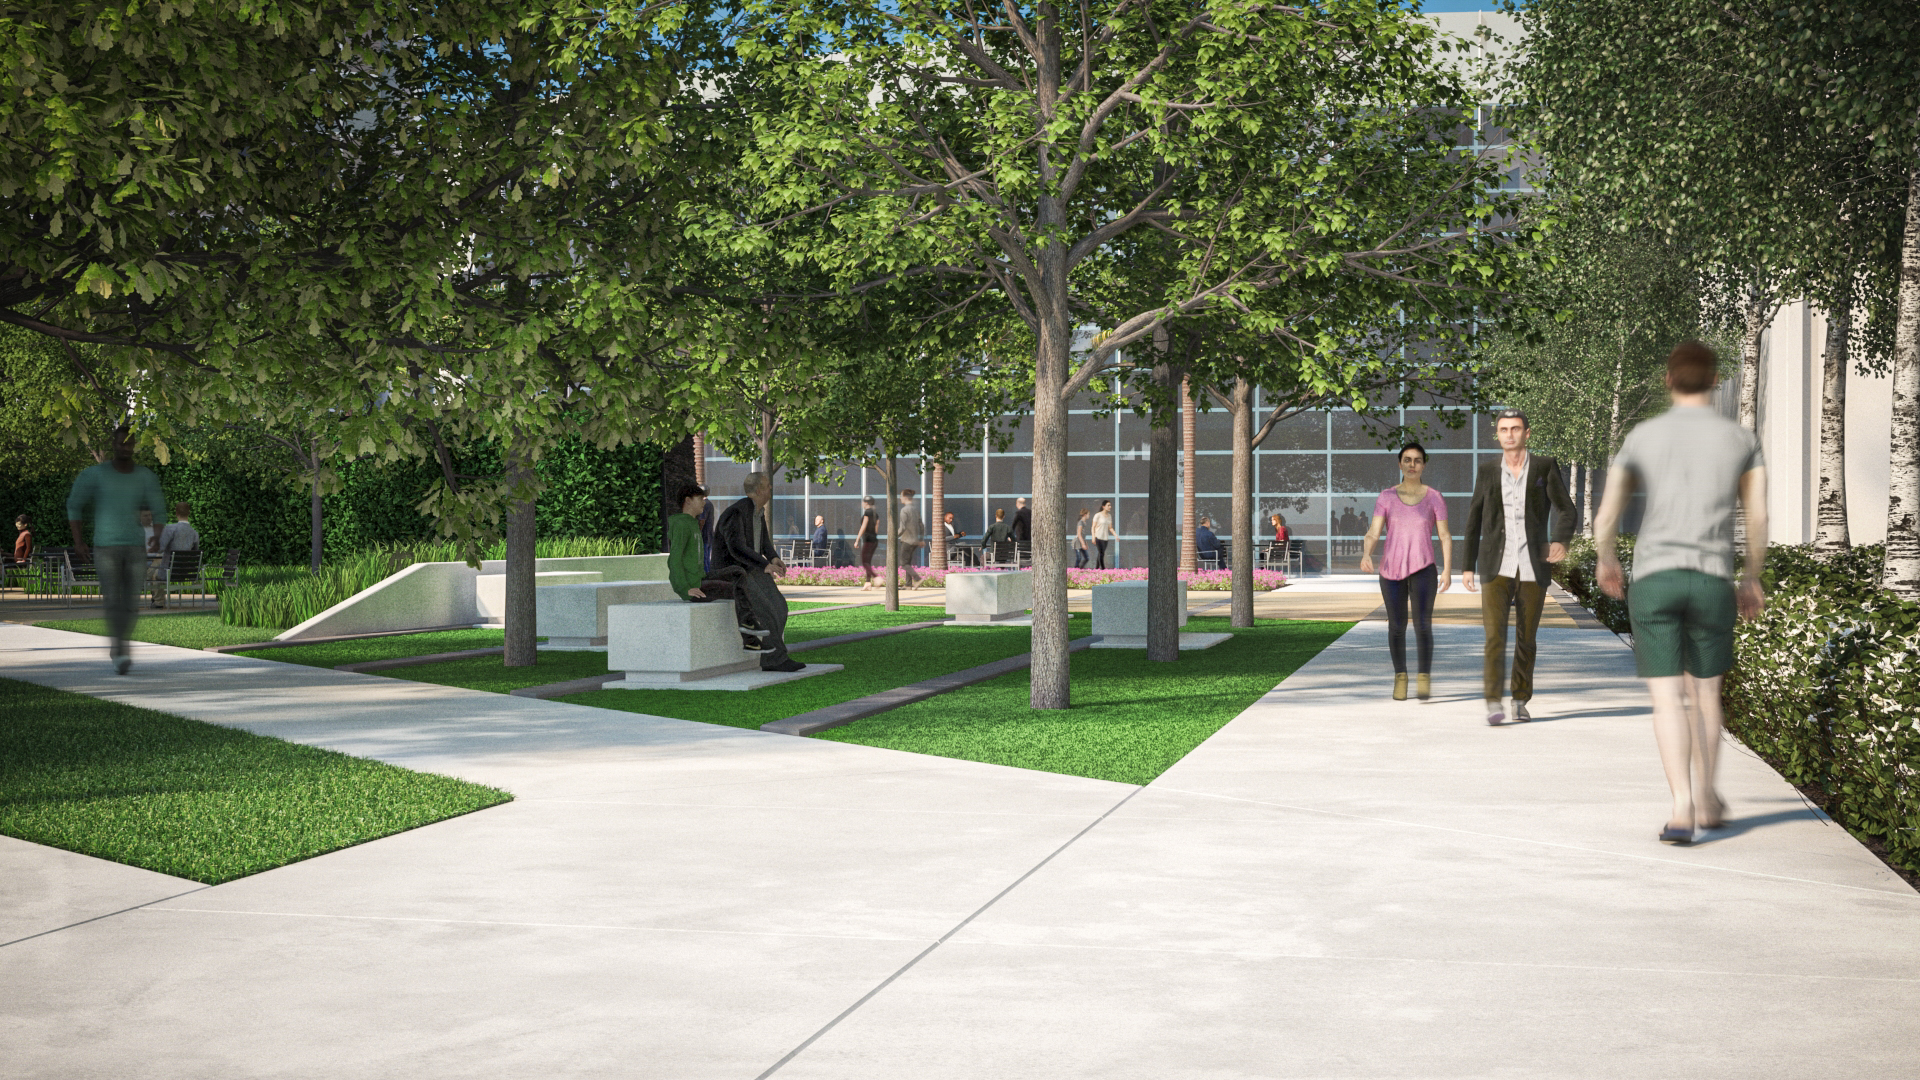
419	596
611	567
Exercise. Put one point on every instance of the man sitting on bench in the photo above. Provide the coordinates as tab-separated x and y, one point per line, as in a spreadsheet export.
741	539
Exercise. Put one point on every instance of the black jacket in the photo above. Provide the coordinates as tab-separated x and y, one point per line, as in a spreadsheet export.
1487	517
733	539
1023	525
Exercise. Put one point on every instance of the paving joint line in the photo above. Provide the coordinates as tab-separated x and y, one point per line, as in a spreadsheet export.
847	712
108	915
959	926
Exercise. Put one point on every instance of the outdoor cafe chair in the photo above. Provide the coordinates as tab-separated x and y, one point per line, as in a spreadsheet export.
180	574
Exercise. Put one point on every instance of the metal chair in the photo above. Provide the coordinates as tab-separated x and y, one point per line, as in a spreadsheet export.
1004	556
180	573
226	573
83	574
820	555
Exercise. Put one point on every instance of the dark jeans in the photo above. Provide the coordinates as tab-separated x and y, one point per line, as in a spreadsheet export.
1496	600
866	559
908	553
1416	589
770	611
716	589
1100	559
123	577
1079	557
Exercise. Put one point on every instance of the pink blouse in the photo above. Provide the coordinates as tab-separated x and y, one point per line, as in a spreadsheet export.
1408	547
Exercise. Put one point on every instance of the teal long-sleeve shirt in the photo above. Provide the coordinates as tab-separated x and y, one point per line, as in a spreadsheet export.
685	568
116	499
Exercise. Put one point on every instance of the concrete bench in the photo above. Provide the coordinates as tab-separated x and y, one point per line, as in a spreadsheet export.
685	646
991	597
490	590
1120	617
574	617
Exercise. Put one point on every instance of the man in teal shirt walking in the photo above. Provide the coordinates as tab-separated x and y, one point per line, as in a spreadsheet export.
116	491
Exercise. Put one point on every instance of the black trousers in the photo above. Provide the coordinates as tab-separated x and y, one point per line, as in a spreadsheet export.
1416	590
1100	559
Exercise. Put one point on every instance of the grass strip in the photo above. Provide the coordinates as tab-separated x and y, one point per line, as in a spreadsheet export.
192	799
871	666
185	631
335	653
1131	719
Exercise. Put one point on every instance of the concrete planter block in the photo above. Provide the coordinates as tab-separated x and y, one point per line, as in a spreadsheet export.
575	616
1120	618
996	596
611	567
490	589
675	642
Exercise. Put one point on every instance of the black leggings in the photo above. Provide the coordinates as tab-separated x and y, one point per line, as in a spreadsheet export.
1419	587
1100	560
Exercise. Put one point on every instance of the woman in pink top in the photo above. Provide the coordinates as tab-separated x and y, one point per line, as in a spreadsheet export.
1411	513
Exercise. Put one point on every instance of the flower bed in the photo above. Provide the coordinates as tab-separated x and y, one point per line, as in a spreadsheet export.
1197	581
1825	688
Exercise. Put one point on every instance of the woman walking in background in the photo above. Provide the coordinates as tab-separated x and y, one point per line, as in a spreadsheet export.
1102	533
1080	540
910	538
866	540
1411	513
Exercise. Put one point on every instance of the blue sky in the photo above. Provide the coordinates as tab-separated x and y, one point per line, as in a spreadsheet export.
1460	5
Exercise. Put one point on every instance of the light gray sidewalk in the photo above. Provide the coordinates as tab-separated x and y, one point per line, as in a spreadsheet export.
1334	885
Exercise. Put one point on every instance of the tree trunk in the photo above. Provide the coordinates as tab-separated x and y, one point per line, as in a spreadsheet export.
1831	537
1189	545
937	528
315	535
1902	572
677	469
1758	314
521	622
1163	544
1051	673
1245	536
893	532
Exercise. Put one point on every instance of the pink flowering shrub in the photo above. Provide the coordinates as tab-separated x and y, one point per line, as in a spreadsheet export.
1197	581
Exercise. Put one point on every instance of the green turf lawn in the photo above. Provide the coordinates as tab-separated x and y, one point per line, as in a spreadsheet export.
186	631
196	800
1130	720
334	653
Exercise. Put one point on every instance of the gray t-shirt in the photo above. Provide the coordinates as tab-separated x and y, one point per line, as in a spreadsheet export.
1689	461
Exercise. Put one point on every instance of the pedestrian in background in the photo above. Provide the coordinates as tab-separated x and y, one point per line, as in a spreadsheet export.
116	492
1080	539
1694	465
1102	533
1410	513
910	536
866	539
1523	512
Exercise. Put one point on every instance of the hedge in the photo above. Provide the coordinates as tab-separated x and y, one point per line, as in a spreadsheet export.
1825	688
590	493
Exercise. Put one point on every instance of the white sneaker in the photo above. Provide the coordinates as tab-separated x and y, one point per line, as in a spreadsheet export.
1495	714
1520	713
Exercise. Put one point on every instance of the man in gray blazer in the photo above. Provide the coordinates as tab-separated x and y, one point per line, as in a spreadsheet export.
1509	545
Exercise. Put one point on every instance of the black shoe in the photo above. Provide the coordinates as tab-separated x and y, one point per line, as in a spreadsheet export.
751	644
751	631
789	664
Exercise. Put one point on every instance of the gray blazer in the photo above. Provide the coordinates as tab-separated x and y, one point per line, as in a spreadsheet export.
1487	517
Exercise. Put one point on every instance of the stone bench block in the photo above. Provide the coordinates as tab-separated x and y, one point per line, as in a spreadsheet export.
1120	618
675	642
490	590
574	617
995	596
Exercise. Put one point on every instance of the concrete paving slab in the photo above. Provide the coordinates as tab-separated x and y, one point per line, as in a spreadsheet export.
43	889
1341	885
1335	885
755	679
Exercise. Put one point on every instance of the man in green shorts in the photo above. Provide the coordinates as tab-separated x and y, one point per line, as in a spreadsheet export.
1693	464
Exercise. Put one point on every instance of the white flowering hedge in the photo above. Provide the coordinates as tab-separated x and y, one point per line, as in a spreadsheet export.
1825	685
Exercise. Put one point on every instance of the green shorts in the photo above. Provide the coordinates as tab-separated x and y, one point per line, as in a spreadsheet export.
1682	621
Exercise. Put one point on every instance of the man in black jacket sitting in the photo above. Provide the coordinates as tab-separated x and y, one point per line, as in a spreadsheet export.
741	540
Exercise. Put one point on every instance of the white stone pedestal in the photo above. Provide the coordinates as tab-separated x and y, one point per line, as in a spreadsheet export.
992	597
675	642
490	590
1120	618
574	617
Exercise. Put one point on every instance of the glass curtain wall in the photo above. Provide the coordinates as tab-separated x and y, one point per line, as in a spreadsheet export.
1321	471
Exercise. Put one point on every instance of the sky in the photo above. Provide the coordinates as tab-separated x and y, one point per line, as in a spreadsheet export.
1460	5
